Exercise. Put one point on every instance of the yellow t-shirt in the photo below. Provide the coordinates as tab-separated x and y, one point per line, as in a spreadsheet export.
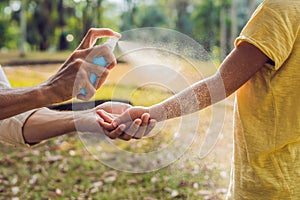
266	162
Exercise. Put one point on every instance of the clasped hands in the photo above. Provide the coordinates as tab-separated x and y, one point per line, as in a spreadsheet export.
124	121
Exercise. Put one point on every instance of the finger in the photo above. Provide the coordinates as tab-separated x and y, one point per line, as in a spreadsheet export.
93	55
101	55
150	127
142	129
101	79
145	119
134	127
124	117
125	137
89	91
105	125
97	74
83	88
116	132
95	33
111	61
105	116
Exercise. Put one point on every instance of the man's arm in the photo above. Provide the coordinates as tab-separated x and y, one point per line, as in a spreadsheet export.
45	124
67	82
16	101
243	62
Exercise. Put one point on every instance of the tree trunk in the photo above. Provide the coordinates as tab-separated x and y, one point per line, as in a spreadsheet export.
60	9
234	23
23	28
223	33
182	22
98	20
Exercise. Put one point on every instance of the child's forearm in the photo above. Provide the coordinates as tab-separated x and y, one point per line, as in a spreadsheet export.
243	62
190	100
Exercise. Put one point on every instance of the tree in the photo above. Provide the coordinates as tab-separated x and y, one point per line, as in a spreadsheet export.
129	15
234	22
183	22
206	20
23	26
151	16
42	23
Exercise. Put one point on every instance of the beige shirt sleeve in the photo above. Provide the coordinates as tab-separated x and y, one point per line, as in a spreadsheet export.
11	129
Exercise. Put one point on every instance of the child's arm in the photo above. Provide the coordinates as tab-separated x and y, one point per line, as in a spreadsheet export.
243	62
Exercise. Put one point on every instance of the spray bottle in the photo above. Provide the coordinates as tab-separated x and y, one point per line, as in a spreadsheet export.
111	44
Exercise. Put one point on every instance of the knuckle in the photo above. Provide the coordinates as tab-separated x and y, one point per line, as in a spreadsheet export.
91	31
105	30
127	139
105	73
75	54
78	61
111	136
117	133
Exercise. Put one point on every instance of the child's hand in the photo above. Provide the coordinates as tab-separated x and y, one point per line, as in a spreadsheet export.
133	123
130	115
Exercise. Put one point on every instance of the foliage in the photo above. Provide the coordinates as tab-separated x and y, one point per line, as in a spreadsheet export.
47	21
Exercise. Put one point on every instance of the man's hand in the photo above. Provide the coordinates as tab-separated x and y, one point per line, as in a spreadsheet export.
134	123
75	72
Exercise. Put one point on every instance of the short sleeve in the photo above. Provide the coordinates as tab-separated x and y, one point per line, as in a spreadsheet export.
273	28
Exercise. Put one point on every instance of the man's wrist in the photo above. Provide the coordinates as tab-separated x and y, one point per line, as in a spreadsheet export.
46	95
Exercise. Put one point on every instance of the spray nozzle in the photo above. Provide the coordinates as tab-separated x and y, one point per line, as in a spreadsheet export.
112	43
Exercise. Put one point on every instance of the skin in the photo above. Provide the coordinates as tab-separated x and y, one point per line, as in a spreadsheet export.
132	129
242	63
45	124
67	82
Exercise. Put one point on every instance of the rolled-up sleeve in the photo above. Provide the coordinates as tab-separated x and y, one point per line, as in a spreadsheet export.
11	129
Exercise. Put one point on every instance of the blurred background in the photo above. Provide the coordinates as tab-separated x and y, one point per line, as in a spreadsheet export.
37	36
41	25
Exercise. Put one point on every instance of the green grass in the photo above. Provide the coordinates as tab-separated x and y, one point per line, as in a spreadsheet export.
63	169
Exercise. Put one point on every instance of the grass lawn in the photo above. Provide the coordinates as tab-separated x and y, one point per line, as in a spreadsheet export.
63	169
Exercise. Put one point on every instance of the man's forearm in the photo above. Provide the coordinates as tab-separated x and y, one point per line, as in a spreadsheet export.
15	101
45	124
